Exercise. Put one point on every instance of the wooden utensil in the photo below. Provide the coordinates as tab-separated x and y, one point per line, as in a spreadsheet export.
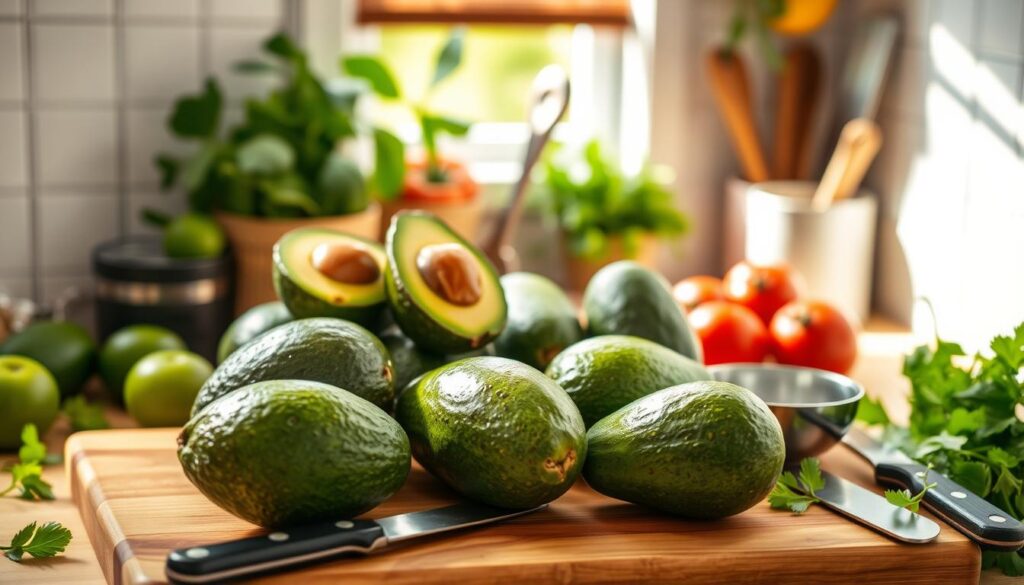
858	144
798	93
730	85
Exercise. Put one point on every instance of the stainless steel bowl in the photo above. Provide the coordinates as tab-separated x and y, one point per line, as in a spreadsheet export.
814	407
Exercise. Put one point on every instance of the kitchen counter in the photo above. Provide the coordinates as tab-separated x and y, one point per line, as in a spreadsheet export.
878	369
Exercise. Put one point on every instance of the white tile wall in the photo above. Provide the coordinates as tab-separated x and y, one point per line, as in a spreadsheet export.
83	114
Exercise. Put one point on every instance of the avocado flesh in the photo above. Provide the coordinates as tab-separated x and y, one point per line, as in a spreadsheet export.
250	325
286	452
603	374
701	450
307	292
627	299
541	320
332	351
495	430
423	315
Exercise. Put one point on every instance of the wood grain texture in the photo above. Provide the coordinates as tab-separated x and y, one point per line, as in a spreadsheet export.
137	505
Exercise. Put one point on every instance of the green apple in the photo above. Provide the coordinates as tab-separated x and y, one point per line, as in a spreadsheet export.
126	347
28	394
161	387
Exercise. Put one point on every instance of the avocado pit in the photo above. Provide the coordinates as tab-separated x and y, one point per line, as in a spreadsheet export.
345	263
451	272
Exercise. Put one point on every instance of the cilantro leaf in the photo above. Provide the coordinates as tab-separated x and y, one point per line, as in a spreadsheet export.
904	499
32	450
84	416
797	494
47	540
28	472
871	412
810	475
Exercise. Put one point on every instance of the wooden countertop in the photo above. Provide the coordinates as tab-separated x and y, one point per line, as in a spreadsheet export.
878	369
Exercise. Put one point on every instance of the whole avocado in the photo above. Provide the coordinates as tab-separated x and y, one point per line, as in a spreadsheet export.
495	430
250	325
322	349
701	450
64	348
286	452
408	360
541	320
627	299
602	374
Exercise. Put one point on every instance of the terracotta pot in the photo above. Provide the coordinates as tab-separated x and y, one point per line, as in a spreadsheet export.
578	270
252	241
462	216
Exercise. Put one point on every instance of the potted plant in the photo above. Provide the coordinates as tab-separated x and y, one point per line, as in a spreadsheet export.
431	182
604	216
280	168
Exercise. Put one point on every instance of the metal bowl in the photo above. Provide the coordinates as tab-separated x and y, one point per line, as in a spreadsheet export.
814	407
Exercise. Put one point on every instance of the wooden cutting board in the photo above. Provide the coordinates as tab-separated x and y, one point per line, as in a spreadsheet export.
137	505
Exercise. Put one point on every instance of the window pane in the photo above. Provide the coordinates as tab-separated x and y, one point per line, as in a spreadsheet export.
498	65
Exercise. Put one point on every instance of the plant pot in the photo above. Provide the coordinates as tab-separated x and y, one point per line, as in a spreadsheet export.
456	201
579	270
461	216
252	242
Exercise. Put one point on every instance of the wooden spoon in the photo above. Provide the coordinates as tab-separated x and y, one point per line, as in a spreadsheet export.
731	87
799	86
859	142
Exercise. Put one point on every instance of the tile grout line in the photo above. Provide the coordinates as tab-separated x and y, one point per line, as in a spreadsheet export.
121	120
31	138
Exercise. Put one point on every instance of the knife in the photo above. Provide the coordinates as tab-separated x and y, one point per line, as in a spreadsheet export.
981	521
874	511
249	557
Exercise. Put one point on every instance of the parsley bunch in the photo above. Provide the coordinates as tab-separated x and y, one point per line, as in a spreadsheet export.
27	473
964	422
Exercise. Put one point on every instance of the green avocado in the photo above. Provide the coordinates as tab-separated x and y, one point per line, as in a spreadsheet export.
64	348
495	430
541	320
603	374
627	299
325	350
250	325
286	452
320	272
701	450
443	293
408	360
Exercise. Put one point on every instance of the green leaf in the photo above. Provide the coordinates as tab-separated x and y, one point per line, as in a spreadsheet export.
374	71
255	66
32	449
450	56
198	116
997	457
899	498
1010	563
287	196
973	475
168	168
265	155
445	124
84	416
810	475
47	540
341	186
872	412
282	46
35	487
963	421
155	218
1007	484
389	171
939	442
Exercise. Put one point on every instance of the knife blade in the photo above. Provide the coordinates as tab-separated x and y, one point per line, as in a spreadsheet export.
302	545
979	520
874	511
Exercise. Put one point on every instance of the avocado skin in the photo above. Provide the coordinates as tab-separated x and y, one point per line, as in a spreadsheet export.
415	321
286	452
323	349
541	320
250	325
408	360
603	374
304	305
494	430
626	298
64	348
701	450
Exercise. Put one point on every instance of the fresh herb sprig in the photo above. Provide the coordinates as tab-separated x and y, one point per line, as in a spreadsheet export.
41	542
904	499
84	416
27	473
797	493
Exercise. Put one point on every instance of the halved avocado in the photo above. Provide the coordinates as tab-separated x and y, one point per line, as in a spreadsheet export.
320	272
444	294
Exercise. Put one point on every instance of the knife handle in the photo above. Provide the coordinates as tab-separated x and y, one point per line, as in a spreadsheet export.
272	552
966	511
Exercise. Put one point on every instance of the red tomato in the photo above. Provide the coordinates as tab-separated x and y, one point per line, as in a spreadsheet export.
729	333
815	335
762	289
458	187
694	290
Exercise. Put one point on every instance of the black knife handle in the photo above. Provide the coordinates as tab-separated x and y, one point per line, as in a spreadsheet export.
274	551
966	511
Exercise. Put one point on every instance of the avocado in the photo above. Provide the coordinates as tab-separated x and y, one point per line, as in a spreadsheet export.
285	452
541	320
332	351
495	430
627	299
250	325
408	360
64	348
701	450
320	272
603	374
443	293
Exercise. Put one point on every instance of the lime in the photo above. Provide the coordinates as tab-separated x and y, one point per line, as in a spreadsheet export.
28	394
193	235
127	346
161	387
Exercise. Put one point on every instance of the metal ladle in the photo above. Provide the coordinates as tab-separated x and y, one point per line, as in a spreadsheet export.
549	98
